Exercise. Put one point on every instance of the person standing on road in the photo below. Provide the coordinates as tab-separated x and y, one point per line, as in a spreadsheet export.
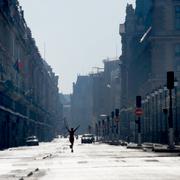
71	136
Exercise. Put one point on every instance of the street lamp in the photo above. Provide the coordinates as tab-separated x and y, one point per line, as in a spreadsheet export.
153	116
170	86
103	123
160	112
96	131
165	99
156	115
99	129
108	127
165	111
148	97
138	114
143	121
176	113
112	125
146	120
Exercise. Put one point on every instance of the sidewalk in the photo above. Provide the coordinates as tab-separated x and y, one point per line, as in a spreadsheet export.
165	148
154	147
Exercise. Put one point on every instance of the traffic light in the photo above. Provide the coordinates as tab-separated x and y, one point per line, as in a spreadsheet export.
138	101
117	113
112	114
170	80
103	122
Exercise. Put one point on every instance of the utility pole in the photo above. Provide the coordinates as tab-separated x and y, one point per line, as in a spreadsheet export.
138	113
117	123
112	122
170	86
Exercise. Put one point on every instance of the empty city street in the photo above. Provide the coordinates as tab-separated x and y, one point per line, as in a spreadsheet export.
88	162
90	90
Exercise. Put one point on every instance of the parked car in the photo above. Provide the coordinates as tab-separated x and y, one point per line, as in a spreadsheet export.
32	141
87	138
123	143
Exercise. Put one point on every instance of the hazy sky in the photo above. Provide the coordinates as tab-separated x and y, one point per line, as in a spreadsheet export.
78	34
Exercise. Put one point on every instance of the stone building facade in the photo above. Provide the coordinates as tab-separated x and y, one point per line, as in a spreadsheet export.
29	99
150	48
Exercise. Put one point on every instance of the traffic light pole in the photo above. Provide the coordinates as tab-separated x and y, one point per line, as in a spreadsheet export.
170	121
138	106
170	86
139	131
112	130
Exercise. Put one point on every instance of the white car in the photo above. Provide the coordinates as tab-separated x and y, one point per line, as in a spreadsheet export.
87	138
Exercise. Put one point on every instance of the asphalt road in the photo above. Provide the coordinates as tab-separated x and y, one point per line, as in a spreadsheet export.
54	161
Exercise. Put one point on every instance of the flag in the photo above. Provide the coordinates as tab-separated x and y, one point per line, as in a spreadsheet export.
18	65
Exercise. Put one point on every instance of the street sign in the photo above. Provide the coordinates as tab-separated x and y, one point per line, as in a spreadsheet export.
139	112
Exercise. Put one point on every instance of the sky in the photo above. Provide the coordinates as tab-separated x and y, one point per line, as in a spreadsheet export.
75	35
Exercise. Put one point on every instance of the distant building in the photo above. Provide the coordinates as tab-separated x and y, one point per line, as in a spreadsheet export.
106	93
66	112
81	103
96	96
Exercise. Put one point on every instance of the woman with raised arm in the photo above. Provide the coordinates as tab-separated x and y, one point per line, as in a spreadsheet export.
71	136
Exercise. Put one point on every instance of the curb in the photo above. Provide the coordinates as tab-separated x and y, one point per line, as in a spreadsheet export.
166	150
134	147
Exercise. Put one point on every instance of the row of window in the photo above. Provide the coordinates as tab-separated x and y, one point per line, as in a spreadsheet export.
177	50
177	17
177	56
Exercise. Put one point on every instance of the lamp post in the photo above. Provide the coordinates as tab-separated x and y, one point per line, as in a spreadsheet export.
112	126
160	113
117	123
153	118
148	118
96	131
99	129
103	125
143	120
165	111
103	130
108	127
156	115
170	86
176	112
138	114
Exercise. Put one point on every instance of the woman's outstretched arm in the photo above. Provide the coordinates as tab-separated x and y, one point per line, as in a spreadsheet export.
67	129
76	128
